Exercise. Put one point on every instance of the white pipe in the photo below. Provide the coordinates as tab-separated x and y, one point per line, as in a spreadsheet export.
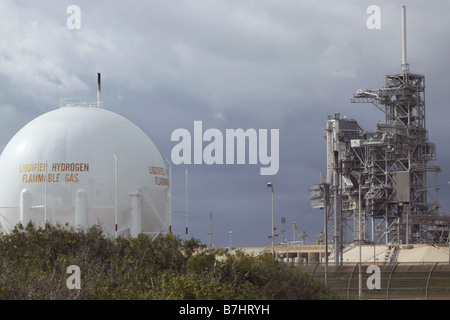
81	215
136	214
152	208
25	206
115	195
45	191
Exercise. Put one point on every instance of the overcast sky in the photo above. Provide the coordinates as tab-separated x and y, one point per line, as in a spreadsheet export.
262	64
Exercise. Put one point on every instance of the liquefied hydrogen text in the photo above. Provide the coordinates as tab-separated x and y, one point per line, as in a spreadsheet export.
37	172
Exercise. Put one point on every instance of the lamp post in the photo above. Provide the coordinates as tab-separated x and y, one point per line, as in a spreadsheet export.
360	238
169	190
186	200
270	185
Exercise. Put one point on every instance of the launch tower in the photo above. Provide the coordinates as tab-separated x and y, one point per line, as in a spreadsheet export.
383	181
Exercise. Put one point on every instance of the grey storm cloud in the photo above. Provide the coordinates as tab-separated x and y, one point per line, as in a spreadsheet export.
232	64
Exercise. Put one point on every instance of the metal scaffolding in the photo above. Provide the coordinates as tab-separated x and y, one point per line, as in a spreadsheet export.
382	179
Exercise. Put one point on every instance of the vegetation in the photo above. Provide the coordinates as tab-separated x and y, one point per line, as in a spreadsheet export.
34	262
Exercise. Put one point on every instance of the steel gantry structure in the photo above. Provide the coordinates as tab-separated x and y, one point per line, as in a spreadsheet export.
382	180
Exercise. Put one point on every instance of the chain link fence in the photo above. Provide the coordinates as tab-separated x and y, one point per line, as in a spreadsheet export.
396	281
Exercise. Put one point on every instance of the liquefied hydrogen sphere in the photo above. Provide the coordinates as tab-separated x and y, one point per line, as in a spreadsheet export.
83	165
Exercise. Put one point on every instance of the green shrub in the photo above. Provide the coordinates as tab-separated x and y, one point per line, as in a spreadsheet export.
34	261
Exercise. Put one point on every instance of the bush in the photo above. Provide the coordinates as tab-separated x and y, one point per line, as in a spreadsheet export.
34	261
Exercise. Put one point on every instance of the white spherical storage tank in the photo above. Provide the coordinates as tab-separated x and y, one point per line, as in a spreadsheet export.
83	165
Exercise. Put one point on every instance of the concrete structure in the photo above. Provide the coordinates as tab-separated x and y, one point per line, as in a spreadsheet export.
301	253
373	254
370	254
386	254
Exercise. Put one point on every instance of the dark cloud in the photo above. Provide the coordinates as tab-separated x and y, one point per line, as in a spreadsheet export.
232	64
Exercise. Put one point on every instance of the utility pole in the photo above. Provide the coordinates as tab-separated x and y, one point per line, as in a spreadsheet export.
283	221
210	229
360	238
294	228
270	185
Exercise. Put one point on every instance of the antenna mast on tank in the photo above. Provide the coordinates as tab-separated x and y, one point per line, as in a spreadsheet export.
99	88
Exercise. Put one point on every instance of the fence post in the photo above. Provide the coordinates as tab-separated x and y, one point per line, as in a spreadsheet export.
428	280
389	281
314	269
350	280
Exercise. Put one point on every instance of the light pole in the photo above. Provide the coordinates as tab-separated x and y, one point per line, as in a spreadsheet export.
448	240
186	201
360	238
169	190
294	229
270	185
